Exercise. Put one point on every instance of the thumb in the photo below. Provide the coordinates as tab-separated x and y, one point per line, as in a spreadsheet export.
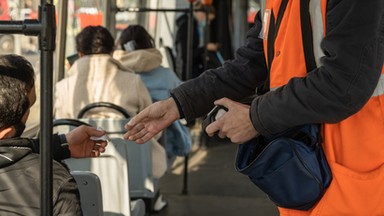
95	132
136	119
225	102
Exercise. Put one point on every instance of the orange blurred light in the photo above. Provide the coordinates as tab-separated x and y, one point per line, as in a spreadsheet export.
207	2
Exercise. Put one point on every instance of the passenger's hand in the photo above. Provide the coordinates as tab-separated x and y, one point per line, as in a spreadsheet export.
234	124
151	121
212	47
82	146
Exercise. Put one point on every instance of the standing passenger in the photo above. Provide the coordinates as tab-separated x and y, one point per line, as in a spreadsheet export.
198	47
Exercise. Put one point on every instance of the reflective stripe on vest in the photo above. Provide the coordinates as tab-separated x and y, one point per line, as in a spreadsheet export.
317	11
317	28
380	87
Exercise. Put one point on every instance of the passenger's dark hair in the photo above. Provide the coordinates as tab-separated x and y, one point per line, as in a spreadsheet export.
138	34
94	40
17	79
198	5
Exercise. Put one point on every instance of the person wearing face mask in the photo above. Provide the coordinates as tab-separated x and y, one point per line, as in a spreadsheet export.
181	40
19	163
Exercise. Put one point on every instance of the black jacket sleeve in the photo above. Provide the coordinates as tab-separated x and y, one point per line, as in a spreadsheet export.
236	79
350	70
351	67
66	195
60	152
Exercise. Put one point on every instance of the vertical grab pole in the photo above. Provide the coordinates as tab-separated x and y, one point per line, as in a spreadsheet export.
47	46
206	37
185	176
62	38
190	41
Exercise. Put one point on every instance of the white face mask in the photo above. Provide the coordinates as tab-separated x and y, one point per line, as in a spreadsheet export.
203	23
130	46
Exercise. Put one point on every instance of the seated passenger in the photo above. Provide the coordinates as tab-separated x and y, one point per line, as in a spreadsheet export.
138	53
19	163
97	77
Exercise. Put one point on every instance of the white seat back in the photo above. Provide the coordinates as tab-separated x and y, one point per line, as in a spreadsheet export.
124	169
90	192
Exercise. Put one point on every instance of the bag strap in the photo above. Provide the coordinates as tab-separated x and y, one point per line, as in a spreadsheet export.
307	38
306	31
272	34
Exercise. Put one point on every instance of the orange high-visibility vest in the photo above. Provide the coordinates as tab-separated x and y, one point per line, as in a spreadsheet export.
355	146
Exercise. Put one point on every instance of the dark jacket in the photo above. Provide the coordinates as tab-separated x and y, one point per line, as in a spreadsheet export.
344	88
181	44
20	181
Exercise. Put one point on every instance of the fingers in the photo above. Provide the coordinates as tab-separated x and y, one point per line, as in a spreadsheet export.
101	145
98	148
130	124
136	119
224	102
95	153
133	131
213	128
139	134
145	138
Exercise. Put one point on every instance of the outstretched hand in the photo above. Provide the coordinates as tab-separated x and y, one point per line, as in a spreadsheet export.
234	124
81	145
151	121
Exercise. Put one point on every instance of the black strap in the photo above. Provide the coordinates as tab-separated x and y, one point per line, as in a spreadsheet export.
272	34
306	31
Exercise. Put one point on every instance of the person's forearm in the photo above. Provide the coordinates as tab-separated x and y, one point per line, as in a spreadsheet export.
236	79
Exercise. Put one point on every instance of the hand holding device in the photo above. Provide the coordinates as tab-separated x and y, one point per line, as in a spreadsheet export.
217	112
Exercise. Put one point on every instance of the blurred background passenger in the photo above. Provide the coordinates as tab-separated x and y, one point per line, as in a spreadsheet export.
138	53
181	40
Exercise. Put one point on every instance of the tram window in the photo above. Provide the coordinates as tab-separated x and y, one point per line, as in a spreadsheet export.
81	14
253	8
20	44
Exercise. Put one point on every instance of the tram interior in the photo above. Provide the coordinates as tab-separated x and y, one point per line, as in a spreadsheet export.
120	182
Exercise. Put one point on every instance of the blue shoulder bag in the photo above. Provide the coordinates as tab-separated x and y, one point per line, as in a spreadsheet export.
290	168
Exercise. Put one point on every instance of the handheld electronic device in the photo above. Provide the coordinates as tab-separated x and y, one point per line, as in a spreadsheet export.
217	112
